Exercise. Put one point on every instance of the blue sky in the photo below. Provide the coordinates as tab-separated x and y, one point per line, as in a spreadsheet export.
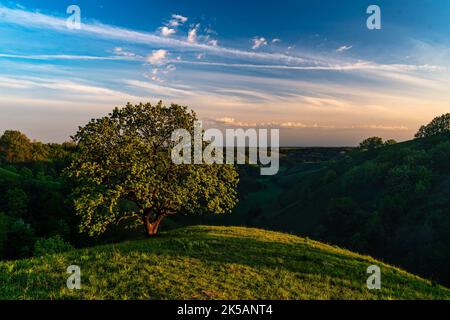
311	68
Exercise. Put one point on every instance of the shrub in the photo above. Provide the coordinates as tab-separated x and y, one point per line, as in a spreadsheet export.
51	245
20	240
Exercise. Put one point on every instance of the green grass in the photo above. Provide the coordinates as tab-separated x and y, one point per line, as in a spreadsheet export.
211	263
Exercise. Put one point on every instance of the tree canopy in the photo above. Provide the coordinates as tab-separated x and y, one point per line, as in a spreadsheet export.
124	172
15	147
437	126
371	143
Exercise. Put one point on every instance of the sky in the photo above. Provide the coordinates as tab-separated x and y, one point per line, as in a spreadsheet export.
311	68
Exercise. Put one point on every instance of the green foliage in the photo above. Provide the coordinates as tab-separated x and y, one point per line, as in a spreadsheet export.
16	202
26	173
51	245
371	143
126	156
346	219
441	156
438	125
34	208
15	147
390	142
408	181
212	263
369	172
20	240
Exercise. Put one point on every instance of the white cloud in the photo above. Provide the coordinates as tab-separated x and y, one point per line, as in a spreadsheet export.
166	31
159	90
258	42
170	68
120	52
170	28
192	34
344	48
177	20
158	57
275	40
380	69
213	43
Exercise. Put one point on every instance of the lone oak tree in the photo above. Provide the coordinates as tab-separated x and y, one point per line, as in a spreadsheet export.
123	171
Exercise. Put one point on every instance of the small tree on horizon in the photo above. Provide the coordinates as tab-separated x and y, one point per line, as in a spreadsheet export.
123	171
371	143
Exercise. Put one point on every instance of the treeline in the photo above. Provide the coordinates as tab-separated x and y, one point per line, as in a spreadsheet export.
34	210
392	202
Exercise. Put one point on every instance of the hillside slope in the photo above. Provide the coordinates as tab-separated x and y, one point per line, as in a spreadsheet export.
211	263
392	202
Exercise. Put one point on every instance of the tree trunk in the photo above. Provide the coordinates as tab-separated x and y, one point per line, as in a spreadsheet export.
152	224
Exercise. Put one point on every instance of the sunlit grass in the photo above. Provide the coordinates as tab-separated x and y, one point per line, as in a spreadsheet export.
211	263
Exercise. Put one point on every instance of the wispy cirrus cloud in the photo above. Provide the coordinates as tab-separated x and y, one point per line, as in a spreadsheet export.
343	48
232	122
94	29
121	52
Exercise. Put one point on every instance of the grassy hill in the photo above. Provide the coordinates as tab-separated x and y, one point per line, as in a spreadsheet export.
392	202
211	263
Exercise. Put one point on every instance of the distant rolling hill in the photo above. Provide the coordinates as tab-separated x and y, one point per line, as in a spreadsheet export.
392	202
212	263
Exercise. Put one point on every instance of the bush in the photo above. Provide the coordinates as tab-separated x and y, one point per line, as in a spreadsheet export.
51	245
20	240
26	173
